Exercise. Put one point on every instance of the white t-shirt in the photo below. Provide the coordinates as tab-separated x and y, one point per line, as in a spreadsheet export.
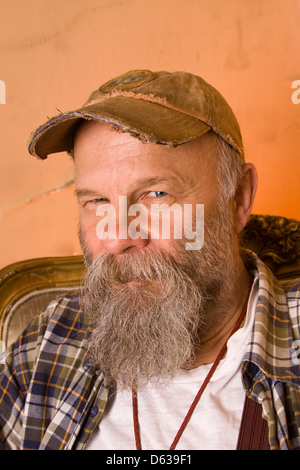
215	422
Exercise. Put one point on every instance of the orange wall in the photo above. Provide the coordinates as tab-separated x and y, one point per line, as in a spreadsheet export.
54	52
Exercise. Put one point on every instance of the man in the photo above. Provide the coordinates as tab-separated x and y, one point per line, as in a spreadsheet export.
159	348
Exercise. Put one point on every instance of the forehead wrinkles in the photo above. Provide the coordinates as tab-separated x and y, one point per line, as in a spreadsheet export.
104	154
133	152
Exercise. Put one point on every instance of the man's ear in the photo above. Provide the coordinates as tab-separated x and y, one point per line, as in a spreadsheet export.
244	196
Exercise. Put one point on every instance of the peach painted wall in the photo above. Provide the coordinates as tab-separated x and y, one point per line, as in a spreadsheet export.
54	52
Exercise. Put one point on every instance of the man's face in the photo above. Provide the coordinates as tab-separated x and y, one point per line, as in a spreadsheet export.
110	164
149	300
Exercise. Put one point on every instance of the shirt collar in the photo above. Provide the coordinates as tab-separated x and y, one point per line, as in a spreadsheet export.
271	346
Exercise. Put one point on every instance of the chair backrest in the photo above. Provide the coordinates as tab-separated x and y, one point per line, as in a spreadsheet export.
27	287
276	240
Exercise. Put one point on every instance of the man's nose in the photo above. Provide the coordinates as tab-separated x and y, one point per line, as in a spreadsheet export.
118	245
121	235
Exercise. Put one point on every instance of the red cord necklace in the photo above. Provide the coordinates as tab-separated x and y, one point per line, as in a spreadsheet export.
136	425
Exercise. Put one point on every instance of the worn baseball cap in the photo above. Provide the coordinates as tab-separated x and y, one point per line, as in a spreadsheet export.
160	107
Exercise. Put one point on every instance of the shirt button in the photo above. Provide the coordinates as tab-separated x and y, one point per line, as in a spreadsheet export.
94	411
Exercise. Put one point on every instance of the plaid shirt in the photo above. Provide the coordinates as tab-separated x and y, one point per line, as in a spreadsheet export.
51	398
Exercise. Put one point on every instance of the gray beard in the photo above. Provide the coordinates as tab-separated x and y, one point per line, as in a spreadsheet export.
149	310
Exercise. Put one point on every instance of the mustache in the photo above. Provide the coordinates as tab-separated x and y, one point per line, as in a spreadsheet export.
143	266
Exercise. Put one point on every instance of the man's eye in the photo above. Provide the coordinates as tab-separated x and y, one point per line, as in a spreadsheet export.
156	194
97	200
